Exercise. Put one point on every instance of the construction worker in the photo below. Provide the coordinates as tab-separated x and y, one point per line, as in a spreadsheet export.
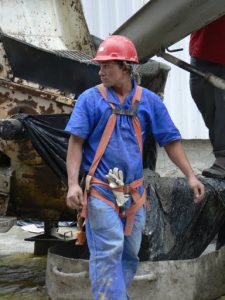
108	126
207	51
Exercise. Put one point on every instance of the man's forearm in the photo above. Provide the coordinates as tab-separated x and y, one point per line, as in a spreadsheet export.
177	155
74	158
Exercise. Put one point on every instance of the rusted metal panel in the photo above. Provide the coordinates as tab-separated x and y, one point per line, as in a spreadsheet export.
5	189
30	92
4	64
55	27
38	193
18	98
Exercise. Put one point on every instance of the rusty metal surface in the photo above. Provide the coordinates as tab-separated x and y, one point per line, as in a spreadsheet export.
5	188
18	98
31	189
33	92
37	193
34	192
4	64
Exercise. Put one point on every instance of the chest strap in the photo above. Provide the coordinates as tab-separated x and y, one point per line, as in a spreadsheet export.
138	200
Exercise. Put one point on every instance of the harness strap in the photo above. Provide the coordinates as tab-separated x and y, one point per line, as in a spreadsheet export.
129	213
103	143
137	129
138	200
98	195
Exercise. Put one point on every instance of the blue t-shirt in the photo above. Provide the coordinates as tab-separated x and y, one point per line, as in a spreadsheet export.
90	117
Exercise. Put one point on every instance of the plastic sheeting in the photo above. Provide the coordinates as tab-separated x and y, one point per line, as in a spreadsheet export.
176	227
51	141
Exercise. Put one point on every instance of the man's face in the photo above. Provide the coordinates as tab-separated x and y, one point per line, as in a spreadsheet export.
111	73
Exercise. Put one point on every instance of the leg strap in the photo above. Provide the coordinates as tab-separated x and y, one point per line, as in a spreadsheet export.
129	213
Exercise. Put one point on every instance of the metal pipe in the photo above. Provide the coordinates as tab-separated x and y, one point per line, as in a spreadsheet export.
211	78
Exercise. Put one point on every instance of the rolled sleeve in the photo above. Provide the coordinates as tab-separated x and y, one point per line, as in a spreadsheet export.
81	120
163	127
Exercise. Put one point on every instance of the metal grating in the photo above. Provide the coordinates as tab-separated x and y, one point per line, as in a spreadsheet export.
75	55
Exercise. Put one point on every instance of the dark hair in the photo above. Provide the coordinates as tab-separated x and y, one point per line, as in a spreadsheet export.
126	64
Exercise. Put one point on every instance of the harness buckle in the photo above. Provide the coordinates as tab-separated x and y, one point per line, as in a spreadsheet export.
124	112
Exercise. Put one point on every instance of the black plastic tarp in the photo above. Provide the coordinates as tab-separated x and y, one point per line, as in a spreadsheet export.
51	141
176	227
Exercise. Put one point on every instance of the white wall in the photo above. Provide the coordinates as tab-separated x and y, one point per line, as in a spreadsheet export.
178	98
105	16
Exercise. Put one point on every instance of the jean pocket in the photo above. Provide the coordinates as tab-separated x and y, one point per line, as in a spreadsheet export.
101	216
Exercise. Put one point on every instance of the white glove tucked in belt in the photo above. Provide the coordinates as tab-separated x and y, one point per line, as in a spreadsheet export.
115	179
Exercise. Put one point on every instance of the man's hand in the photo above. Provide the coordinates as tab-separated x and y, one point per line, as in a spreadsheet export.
197	188
74	197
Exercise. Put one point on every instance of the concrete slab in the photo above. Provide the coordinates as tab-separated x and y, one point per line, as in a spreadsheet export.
12	242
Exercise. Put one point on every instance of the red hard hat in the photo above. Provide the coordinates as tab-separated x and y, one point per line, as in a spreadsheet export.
116	47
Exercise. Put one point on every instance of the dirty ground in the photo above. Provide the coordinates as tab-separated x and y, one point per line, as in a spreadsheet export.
22	275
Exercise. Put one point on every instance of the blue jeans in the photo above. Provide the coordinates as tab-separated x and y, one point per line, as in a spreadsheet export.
113	256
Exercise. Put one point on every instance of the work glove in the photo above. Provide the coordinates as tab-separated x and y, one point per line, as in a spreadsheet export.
115	179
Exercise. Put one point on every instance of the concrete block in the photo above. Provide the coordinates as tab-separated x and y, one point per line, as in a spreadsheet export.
201	278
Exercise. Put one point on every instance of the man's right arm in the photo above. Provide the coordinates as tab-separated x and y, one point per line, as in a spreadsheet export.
74	198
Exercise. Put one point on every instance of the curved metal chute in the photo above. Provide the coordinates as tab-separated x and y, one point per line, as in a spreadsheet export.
161	23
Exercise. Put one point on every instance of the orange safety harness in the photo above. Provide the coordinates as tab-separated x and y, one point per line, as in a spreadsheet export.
138	200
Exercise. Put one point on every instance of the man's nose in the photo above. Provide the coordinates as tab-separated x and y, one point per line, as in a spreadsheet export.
100	71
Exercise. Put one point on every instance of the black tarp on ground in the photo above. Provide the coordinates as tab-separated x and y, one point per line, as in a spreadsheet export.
176	227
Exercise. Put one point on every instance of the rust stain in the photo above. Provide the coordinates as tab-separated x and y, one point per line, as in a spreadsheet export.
22	109
28	176
49	110
30	102
32	92
27	152
4	97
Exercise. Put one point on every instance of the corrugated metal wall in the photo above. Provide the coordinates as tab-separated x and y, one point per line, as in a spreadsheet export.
105	16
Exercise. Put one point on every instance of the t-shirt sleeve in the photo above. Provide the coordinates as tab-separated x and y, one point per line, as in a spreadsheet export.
81	121
162	125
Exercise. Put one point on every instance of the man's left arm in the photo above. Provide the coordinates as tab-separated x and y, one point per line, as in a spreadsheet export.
176	153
